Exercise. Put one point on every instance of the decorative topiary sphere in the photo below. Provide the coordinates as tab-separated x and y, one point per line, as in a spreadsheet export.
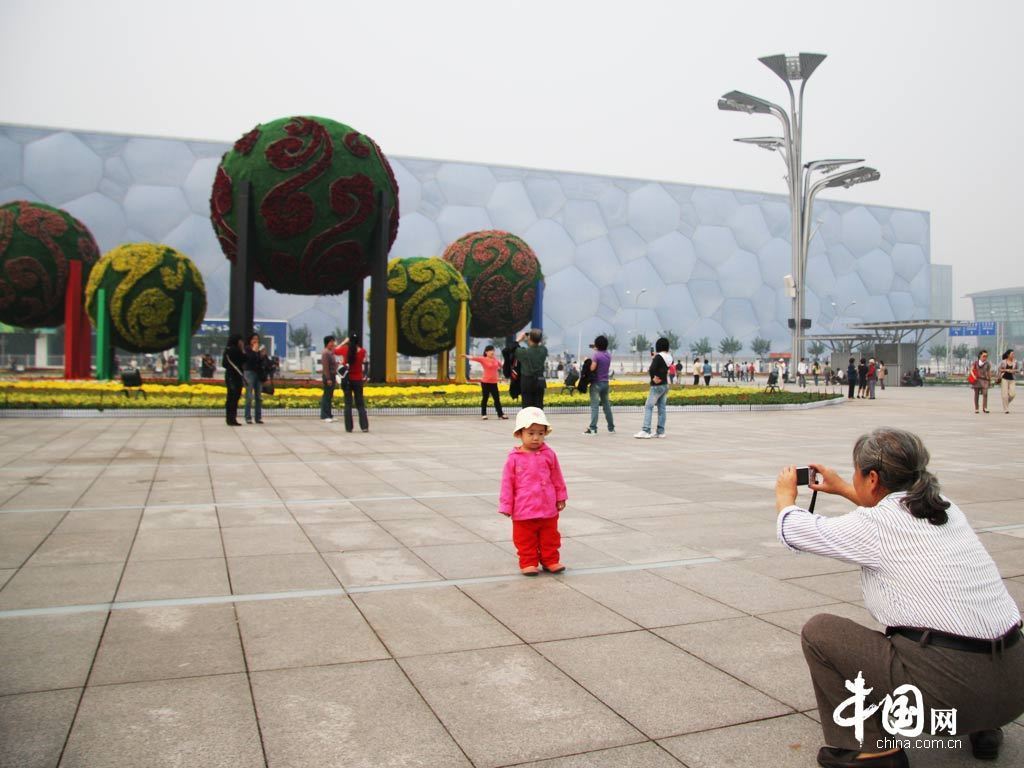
427	294
502	273
146	285
36	244
314	201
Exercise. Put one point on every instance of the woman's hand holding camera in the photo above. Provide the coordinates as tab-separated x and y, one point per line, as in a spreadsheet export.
827	480
820	478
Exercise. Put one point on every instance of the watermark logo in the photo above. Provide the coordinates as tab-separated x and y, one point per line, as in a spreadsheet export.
903	712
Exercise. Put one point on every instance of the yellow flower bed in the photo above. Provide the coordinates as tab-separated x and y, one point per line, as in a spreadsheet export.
111	394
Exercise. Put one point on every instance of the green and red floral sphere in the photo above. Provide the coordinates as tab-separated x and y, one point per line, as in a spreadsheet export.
502	272
145	291
427	293
37	242
315	185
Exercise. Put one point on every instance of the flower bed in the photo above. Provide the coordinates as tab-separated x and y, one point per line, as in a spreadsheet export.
98	395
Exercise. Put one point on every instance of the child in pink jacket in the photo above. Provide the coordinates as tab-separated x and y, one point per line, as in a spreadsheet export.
532	494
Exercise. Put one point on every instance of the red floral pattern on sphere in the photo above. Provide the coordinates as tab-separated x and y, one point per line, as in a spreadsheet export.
502	272
36	244
315	188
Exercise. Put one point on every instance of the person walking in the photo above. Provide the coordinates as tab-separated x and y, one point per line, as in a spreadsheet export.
1007	384
352	385
698	370
532	360
253	380
600	364
658	393
705	369
881	375
328	378
489	381
872	378
801	373
233	362
816	371
980	378
851	378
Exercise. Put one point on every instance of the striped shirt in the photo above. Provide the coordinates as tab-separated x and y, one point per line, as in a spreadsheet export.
913	573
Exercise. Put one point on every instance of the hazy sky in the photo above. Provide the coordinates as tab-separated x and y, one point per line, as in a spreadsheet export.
929	92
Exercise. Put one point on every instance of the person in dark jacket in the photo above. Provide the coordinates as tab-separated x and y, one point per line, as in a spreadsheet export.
862	378
851	378
253	380
233	361
658	394
532	360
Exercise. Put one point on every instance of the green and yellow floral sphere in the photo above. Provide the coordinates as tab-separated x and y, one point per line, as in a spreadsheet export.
427	293
502	272
146	285
315	187
37	243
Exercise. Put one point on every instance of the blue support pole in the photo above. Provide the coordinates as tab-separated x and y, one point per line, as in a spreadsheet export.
537	320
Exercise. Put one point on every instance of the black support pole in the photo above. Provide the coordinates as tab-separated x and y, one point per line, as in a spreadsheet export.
242	288
379	292
355	311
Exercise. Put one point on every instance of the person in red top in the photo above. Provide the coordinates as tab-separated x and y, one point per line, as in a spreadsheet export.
353	356
489	381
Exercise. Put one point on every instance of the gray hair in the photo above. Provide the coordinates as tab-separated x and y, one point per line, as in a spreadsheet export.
901	461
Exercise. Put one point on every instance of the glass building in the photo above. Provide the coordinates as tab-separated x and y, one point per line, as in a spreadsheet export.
1006	307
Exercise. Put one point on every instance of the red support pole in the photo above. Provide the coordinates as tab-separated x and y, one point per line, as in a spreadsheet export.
77	335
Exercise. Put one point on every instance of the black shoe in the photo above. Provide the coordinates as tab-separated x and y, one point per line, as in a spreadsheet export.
366	430
985	744
259	421
234	424
830	757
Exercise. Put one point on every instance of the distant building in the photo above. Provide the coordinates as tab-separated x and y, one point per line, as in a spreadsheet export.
942	292
1005	306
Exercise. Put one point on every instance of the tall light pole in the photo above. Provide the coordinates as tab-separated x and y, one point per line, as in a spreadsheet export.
636	321
798	175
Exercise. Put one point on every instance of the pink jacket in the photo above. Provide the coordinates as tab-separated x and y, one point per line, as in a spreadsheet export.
532	484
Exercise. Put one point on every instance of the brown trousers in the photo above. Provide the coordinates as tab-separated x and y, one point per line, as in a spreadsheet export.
987	690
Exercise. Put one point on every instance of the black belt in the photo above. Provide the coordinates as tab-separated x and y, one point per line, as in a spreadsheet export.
957	642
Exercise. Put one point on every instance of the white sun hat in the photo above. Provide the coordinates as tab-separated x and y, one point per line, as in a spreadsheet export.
531	415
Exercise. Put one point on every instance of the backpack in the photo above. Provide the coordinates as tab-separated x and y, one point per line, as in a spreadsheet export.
586	376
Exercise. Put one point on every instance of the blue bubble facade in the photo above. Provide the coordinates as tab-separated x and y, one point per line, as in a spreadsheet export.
619	255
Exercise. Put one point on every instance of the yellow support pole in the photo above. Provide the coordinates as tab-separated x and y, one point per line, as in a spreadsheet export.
460	345
442	365
391	344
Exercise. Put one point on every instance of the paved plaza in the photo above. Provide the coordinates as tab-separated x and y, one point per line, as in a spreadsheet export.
180	593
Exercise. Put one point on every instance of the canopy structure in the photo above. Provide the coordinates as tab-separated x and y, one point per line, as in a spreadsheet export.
917	332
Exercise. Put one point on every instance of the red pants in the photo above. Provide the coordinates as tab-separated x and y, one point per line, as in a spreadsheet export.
536	539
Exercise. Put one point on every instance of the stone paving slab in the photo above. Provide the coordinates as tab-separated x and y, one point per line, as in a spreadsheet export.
509	705
206	721
359	715
657	687
441	654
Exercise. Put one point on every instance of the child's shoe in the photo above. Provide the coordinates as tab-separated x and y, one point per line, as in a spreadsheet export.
555	568
530	570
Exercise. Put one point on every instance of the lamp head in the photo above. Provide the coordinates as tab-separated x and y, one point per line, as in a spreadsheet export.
799	67
854	176
737	101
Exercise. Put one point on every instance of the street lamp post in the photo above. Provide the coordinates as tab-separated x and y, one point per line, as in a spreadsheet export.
798	175
636	322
